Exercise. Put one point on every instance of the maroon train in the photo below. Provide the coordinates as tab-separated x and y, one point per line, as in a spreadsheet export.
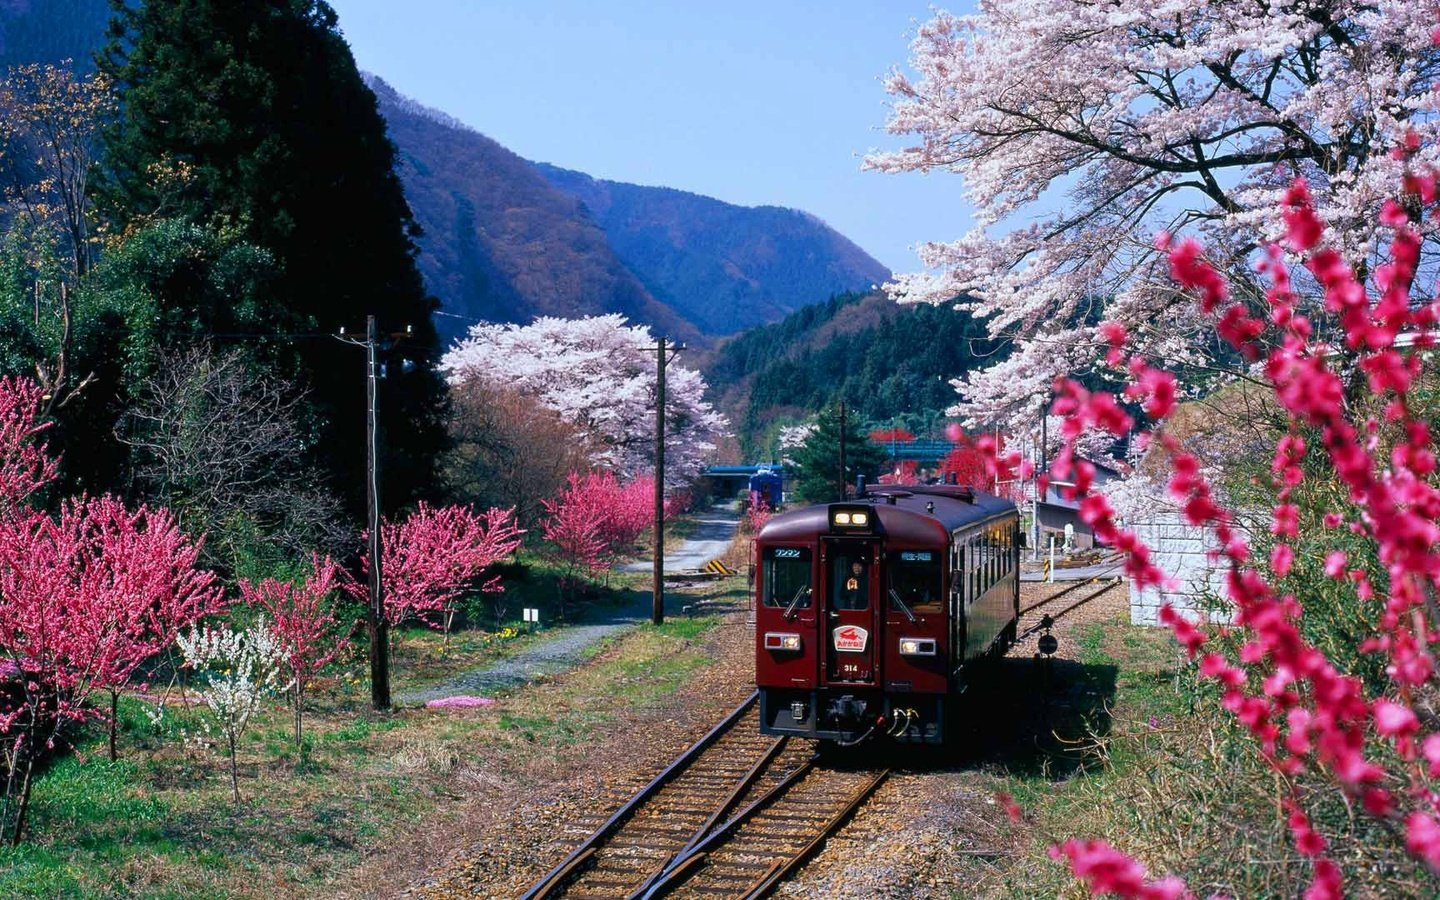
870	614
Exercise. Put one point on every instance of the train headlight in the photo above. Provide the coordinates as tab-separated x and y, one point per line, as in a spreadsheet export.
849	517
917	646
779	641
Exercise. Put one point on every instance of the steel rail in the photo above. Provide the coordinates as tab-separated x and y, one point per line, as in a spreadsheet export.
715	817
782	870
1041	626
1074	587
680	865
583	853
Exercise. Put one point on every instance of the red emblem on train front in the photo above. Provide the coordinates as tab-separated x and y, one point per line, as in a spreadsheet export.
851	638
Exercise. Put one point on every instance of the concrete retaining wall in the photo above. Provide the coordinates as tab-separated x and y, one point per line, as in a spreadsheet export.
1180	551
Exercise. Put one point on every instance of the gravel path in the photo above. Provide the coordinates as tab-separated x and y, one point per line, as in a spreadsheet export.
566	648
710	541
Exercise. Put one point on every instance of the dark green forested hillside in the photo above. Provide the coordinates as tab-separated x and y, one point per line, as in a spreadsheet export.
887	362
41	31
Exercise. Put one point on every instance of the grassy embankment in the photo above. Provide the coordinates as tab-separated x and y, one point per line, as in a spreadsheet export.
1123	745
159	822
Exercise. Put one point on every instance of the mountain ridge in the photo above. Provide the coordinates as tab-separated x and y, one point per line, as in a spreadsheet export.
505	239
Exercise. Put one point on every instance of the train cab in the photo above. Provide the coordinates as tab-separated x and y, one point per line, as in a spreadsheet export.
868	612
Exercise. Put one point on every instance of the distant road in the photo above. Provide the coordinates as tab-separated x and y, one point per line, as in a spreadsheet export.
710	541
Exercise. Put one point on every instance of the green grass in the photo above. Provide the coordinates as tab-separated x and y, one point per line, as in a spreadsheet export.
160	823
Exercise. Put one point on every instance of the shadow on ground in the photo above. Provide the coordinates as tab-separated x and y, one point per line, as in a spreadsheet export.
1026	717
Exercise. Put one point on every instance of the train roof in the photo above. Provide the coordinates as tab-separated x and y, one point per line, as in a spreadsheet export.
919	512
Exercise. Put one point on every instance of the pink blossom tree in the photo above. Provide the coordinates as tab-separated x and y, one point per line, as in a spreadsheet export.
434	556
25	467
598	374
576	527
629	508
1307	716
1080	128
757	512
88	596
303	621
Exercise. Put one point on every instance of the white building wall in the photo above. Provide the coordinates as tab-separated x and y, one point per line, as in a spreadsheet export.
1180	550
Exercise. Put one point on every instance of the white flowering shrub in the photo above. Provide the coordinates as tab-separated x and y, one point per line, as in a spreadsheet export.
240	670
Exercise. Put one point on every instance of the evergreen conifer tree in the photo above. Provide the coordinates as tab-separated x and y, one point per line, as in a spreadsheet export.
251	118
818	459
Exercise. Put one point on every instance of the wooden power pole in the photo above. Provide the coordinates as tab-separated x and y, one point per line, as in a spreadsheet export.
657	587
375	616
842	449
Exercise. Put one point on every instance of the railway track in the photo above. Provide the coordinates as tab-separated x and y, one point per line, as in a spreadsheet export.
732	816
1072	588
1049	619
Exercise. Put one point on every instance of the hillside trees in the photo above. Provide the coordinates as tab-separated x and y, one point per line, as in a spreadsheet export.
598	374
1148	116
250	119
884	361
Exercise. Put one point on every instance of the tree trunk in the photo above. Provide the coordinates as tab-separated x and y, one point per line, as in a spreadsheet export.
449	619
24	801
299	747
234	768
114	722
10	801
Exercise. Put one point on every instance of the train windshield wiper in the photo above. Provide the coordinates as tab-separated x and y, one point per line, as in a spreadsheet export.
790	610
895	599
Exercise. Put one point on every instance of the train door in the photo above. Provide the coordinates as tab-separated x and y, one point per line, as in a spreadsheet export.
851	592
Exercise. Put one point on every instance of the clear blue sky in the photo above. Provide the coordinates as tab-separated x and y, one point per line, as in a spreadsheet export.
750	102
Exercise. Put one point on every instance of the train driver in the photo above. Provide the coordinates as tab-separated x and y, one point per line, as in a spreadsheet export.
852	591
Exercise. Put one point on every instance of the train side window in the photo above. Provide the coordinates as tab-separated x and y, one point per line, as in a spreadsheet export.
785	577
915	580
987	561
975	551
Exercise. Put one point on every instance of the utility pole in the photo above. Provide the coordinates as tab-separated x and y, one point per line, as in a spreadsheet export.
657	582
1042	471
375	616
842	449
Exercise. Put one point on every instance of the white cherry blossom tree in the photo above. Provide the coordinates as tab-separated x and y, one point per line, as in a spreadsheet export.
598	373
1083	129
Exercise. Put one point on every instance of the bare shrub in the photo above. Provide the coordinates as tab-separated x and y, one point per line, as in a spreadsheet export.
508	450
222	445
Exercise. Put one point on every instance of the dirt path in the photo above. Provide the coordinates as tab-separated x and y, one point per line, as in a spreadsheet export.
710	541
567	648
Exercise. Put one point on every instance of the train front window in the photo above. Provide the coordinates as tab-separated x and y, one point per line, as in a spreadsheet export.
785	574
915	580
849	580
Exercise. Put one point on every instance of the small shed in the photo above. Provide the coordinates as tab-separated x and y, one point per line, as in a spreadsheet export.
1055	512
